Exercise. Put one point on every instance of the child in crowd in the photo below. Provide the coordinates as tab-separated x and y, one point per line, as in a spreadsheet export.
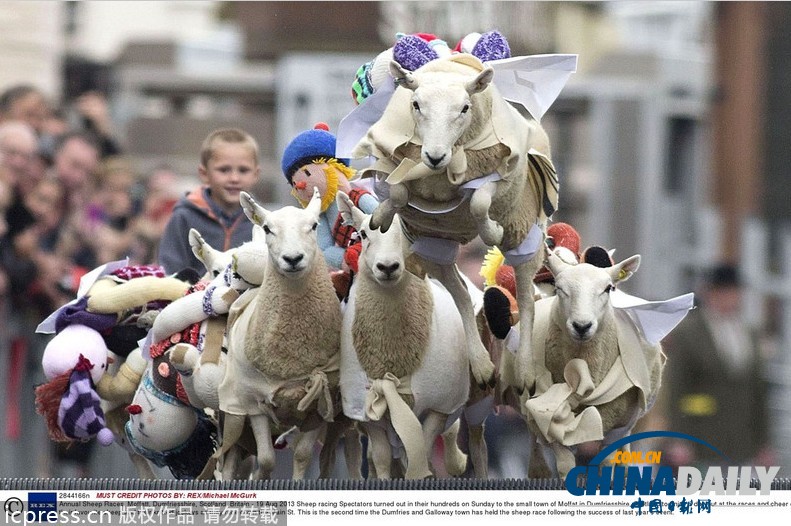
228	166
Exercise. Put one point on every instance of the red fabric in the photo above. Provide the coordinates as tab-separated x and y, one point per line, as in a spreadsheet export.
352	256
344	234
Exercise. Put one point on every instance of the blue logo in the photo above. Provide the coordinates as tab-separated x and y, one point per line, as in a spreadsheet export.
623	477
42	507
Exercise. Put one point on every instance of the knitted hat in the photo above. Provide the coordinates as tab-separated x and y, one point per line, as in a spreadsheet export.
307	146
80	415
371	75
491	45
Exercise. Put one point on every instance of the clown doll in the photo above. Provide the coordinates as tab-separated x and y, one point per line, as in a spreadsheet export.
309	162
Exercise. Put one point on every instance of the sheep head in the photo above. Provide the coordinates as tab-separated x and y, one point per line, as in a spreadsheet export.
583	292
290	234
383	252
214	260
443	107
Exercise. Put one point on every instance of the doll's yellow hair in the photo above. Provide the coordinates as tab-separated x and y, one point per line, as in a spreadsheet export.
332	180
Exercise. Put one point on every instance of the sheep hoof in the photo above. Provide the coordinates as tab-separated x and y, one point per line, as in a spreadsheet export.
382	217
483	373
492	233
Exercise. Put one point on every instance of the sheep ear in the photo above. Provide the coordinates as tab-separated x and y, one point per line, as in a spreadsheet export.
481	82
314	206
624	270
254	212
554	262
402	76
351	214
197	243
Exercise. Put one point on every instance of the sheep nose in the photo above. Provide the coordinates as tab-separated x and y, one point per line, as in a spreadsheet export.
293	260
582	328
388	269
435	160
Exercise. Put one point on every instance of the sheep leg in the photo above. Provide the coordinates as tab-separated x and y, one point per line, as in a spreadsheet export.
232	427
480	363
332	436
379	450
353	452
432	427
384	213
455	459
564	459
265	451
303	451
524	298
479	456
491	231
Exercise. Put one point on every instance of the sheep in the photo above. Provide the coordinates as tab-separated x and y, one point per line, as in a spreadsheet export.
410	362
593	375
461	162
283	341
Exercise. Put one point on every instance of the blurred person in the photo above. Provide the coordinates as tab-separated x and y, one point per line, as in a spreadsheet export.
156	208
94	113
34	288
113	209
714	377
26	103
18	145
75	160
228	166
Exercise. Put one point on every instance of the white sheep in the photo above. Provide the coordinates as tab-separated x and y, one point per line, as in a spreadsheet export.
404	367
283	341
593	375
460	162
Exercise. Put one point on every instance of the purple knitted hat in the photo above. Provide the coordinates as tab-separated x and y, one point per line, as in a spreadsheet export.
491	46
411	52
80	414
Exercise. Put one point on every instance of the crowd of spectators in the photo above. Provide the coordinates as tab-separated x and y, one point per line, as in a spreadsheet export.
70	200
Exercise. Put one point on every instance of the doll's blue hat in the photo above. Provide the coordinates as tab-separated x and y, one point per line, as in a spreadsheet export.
307	146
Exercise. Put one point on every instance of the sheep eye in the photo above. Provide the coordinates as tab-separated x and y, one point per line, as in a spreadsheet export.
609	289
415	105
465	109
363	235
267	230
315	226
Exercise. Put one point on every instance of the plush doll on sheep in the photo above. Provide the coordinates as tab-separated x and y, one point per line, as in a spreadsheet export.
86	394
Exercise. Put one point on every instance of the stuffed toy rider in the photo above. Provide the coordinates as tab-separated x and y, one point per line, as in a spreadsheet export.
309	162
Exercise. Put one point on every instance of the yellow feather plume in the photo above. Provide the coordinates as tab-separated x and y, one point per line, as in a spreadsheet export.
492	261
